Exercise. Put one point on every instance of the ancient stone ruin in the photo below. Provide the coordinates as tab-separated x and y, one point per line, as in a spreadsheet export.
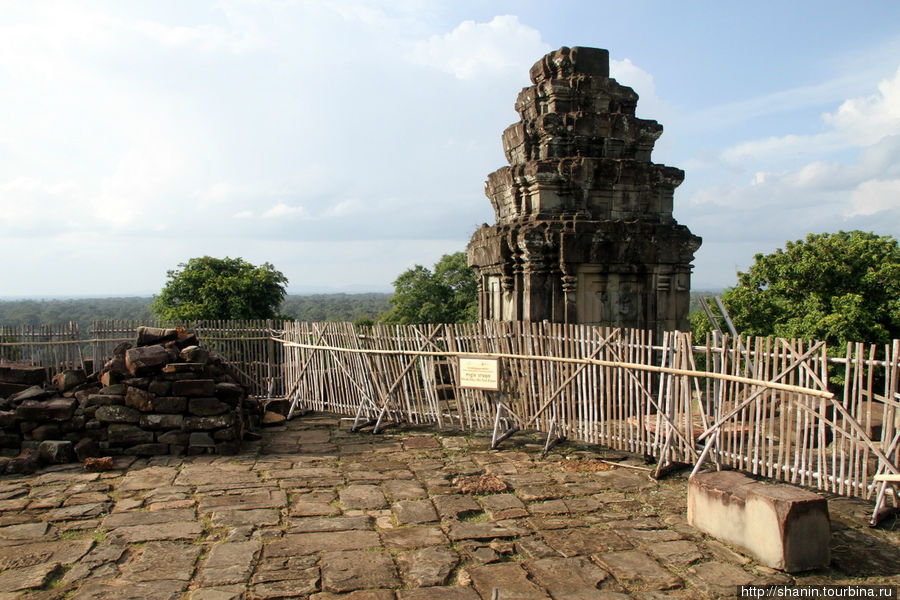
584	230
164	394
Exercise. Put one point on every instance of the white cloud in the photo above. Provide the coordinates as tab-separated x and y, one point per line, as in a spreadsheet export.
857	122
503	45
866	120
844	177
282	210
874	196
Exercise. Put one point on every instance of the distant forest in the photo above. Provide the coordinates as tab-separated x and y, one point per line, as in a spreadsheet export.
314	307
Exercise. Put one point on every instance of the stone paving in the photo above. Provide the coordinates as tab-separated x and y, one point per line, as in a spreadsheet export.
315	511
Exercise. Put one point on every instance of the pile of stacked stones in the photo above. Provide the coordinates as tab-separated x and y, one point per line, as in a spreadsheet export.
164	394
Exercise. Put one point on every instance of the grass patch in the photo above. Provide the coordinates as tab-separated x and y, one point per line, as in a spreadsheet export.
479	517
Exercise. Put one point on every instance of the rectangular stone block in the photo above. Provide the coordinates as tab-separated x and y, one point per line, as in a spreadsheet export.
194	387
23	375
128	435
783	526
57	409
144	360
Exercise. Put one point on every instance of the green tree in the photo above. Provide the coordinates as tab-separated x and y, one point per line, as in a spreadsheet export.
836	287
221	288
447	295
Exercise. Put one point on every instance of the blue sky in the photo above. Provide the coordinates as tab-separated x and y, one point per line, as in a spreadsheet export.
346	141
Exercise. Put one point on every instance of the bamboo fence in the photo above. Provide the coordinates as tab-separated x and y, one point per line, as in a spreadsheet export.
760	405
766	406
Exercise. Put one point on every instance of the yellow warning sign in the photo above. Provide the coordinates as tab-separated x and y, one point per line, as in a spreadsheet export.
479	373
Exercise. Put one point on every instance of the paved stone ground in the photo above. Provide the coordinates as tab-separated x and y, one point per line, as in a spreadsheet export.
314	511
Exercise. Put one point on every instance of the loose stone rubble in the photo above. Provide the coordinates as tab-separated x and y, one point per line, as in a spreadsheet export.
165	394
315	511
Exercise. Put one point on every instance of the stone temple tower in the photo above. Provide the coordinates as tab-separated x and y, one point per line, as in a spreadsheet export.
584	230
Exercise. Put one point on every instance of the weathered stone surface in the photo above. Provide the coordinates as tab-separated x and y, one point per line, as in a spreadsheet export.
56	451
159	517
128	435
509	578
162	421
676	553
456	506
427	567
86	448
503	506
149	449
483	531
355	570
139	399
314	504
47	431
60	552
117	414
439	593
200	439
245	500
414	511
230	393
207	423
110	589
24	375
569	578
194	387
298	544
174	438
147	336
229	562
357	595
168	404
146	359
68	379
56	409
103	399
194	354
27	578
584	541
207	407
285	577
346	523
34	392
405	538
785	527
718	579
637	570
259	517
135	534
162	561
361	497
421	443
79	511
403	489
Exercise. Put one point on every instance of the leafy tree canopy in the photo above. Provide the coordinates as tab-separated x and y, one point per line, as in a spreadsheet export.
447	295
836	287
221	288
